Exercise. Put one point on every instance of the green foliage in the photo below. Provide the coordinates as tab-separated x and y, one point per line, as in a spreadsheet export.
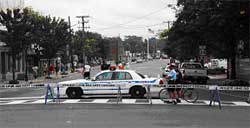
134	44
216	24
51	34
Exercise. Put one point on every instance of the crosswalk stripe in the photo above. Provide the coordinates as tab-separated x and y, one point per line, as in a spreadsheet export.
124	101
241	103
17	102
157	101
128	101
100	101
183	102
41	101
71	101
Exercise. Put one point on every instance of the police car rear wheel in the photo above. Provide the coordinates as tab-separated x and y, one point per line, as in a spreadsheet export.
74	93
137	92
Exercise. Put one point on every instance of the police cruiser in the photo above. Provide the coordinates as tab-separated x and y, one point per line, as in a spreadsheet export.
108	82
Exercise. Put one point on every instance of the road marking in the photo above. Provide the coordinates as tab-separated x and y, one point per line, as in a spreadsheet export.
124	101
128	101
71	101
17	102
100	101
22	98
41	101
241	103
157	101
183	102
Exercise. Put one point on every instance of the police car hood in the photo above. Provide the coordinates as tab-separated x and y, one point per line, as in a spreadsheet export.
78	81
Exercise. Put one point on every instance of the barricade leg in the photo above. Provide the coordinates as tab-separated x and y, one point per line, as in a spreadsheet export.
149	97
58	94
248	100
119	95
218	97
46	95
51	94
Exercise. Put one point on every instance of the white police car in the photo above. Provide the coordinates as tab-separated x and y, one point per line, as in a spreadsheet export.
108	82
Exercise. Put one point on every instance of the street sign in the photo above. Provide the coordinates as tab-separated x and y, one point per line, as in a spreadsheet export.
202	50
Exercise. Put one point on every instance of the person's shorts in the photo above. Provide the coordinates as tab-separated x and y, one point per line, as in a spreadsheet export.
171	89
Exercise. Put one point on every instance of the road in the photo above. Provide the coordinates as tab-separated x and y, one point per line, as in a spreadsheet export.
94	113
122	116
150	68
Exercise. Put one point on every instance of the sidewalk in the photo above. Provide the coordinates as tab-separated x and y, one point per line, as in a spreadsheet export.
41	79
54	79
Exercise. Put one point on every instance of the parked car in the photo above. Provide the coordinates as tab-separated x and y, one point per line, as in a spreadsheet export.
139	60
107	82
194	72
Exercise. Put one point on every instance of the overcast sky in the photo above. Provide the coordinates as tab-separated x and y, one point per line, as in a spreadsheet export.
111	17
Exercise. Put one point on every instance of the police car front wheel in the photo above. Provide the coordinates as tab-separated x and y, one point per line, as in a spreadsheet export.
137	92
74	93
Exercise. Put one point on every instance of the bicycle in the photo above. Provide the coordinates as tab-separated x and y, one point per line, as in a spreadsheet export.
188	94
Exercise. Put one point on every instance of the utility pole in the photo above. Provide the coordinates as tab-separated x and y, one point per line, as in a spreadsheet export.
168	22
83	35
71	57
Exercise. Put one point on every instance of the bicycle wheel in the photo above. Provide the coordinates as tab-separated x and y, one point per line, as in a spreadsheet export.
190	95
164	95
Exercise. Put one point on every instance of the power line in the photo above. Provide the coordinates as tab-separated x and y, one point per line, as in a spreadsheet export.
138	18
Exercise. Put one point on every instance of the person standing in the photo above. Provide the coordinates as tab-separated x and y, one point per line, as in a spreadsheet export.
57	69
87	70
172	80
104	65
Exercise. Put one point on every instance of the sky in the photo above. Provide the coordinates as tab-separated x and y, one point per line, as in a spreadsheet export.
111	18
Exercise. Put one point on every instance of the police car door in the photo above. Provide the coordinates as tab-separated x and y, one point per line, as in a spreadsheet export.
124	80
102	84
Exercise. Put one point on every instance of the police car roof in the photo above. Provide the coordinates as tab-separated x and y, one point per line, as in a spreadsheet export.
124	70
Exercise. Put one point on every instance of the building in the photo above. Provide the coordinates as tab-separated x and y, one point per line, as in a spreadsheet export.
5	56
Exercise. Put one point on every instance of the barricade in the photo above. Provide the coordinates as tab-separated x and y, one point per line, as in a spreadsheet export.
50	93
214	96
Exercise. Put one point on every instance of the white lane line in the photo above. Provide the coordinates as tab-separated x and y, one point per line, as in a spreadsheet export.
100	101
71	101
183	102
128	101
21	98
41	101
157	101
17	102
241	103
207	102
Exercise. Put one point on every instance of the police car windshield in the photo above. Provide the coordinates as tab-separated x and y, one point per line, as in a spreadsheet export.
142	76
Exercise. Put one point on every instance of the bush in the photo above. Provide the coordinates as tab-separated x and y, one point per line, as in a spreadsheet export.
236	83
14	82
216	71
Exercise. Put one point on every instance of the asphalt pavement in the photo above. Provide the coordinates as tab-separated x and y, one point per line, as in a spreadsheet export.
122	116
29	111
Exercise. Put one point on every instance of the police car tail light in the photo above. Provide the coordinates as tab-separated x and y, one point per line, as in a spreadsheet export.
161	82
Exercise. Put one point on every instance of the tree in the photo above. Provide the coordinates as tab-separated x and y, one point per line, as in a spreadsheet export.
217	24
17	23
134	44
51	35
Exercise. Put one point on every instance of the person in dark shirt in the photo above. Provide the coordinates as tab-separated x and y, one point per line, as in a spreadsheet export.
104	65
